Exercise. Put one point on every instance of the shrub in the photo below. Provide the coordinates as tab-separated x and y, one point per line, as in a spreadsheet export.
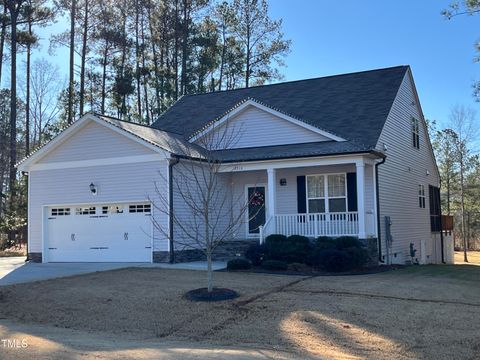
324	242
344	242
332	260
358	257
256	253
274	265
239	264
295	248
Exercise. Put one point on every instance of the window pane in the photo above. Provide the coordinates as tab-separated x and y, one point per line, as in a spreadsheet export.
316	206
337	205
315	186
336	185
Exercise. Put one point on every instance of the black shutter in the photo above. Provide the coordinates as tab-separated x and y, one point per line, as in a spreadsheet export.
352	191
301	195
435	220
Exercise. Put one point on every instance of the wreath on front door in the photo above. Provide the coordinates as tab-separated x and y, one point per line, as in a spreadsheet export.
258	199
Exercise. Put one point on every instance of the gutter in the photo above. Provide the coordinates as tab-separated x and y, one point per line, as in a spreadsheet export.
379	231
171	163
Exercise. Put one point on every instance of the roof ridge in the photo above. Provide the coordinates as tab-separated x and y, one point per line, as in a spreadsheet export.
289	82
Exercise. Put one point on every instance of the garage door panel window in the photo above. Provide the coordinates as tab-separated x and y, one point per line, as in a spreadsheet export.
85	210
60	211
112	209
140	208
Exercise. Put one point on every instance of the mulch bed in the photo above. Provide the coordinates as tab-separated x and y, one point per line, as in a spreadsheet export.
217	294
313	272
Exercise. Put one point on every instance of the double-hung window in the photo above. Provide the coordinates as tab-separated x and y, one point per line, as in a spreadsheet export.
421	196
415	133
316	194
326	193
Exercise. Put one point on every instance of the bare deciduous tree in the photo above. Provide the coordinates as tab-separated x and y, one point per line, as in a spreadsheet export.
464	130
201	183
45	86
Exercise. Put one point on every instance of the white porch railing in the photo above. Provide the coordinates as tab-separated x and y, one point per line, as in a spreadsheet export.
312	225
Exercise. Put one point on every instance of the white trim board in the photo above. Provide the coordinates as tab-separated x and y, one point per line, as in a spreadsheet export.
294	163
98	162
230	115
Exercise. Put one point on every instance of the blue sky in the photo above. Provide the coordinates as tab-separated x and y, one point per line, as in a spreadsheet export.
332	37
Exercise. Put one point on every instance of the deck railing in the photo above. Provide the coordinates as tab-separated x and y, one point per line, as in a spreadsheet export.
317	224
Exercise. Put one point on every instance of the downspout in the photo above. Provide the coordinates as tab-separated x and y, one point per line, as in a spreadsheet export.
441	222
379	232
27	175
171	163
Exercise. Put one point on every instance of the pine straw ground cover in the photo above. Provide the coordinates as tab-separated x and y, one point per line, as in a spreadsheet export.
417	312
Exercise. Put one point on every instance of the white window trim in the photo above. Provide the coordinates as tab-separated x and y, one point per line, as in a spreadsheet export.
421	195
326	197
415	130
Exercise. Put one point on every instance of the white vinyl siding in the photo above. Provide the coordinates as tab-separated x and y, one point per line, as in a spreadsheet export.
404	169
120	183
94	141
254	127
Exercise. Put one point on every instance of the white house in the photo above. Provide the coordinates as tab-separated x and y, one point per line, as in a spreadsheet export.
339	155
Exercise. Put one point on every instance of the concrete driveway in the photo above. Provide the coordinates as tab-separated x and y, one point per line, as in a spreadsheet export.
14	270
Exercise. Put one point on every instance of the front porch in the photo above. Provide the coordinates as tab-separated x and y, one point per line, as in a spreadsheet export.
311	197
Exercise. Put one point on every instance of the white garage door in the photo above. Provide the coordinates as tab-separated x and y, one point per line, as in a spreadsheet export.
99	233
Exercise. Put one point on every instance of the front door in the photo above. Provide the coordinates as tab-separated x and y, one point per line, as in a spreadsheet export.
256	208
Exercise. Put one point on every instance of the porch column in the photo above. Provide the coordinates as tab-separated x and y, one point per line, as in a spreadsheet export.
271	189
360	167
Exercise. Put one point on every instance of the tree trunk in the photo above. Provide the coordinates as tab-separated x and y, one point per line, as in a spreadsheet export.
186	20
14	10
3	31
71	69
144	67
175	55
137	60
84	57
209	272
222	59
104	76
247	72
27	100
155	58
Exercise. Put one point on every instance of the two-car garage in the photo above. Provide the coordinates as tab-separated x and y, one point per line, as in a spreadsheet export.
120	232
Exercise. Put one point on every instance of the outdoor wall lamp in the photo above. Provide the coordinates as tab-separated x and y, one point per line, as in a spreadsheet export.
93	189
283	182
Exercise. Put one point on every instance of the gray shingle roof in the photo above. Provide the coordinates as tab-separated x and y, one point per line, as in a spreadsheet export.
173	143
353	106
322	148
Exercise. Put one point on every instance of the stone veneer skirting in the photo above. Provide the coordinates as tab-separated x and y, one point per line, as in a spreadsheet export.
35	257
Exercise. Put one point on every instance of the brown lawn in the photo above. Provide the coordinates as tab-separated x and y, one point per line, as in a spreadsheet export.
427	312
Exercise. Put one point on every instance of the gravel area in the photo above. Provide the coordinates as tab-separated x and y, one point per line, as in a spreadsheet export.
427	312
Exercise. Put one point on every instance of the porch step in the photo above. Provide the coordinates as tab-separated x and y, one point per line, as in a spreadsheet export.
232	249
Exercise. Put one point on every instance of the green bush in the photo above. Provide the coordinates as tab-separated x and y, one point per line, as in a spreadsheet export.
358	257
295	248
239	264
274	265
324	242
256	253
339	254
332	260
344	242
